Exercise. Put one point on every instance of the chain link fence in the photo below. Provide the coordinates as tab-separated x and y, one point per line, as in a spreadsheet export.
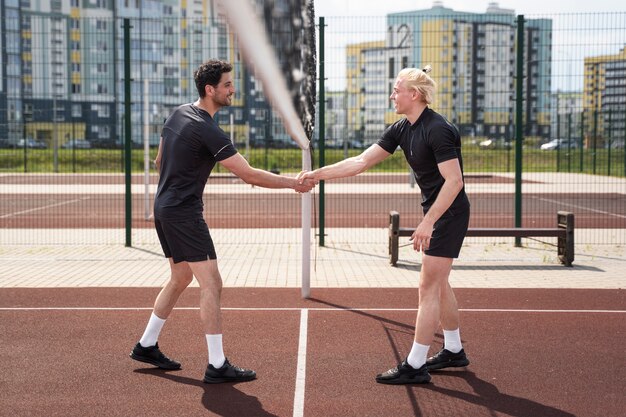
62	109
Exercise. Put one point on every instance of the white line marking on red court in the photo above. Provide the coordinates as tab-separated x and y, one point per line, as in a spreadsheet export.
298	399
548	200
467	310
17	213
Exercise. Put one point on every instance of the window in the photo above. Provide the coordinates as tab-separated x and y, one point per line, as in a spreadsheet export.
77	110
102	110
28	112
12	22
102	131
25	21
13	87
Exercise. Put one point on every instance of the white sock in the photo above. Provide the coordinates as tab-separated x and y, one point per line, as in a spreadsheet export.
151	335
216	350
417	356
452	340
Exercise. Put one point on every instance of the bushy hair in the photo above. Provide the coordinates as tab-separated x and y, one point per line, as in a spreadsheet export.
419	80
210	73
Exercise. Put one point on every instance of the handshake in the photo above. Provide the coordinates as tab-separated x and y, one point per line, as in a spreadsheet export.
305	181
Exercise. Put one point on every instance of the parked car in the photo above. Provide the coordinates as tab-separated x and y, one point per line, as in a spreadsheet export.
559	144
77	144
106	144
5	144
31	143
495	143
340	143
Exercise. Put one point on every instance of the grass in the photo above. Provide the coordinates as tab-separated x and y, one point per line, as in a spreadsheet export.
290	160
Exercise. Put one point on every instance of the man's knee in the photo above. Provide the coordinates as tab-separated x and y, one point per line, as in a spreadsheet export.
181	275
207	274
181	280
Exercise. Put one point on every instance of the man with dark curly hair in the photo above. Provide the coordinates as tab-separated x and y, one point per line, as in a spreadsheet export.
191	144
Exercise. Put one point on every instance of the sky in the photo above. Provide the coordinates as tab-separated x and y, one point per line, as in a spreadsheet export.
526	7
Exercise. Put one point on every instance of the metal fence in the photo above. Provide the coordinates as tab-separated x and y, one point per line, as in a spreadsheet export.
62	107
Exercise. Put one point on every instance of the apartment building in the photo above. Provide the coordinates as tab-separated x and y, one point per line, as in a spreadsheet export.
604	98
474	64
63	62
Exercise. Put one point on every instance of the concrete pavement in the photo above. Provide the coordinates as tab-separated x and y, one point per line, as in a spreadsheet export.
343	262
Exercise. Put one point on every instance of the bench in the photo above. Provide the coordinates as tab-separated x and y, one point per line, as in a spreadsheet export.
564	232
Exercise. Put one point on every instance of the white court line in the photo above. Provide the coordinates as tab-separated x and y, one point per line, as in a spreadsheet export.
17	213
468	310
548	200
298	399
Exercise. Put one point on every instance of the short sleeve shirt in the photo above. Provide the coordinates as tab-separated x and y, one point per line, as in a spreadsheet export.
426	143
192	144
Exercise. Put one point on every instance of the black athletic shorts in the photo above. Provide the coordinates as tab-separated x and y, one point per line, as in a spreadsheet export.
186	240
448	234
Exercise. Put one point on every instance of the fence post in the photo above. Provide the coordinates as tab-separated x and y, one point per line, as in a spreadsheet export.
127	134
582	140
558	135
322	133
608	151
519	119
595	138
569	140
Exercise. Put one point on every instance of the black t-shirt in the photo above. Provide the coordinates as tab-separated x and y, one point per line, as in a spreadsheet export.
428	142
192	144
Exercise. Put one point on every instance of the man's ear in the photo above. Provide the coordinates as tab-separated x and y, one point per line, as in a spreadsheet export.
209	90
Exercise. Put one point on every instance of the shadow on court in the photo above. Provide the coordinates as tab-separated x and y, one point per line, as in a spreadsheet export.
488	396
218	399
532	353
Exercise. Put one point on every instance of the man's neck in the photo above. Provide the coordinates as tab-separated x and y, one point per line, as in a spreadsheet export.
415	114
206	105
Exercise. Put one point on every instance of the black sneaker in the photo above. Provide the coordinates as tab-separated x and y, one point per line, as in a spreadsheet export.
154	356
227	373
404	374
446	359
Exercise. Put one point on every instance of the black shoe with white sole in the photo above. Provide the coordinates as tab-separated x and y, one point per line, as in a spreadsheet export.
446	359
154	356
227	373
404	374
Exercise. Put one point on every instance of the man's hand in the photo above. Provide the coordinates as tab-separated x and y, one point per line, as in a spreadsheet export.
304	185
306	176
421	236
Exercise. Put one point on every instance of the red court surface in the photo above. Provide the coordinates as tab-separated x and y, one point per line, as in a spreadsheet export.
533	352
102	203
